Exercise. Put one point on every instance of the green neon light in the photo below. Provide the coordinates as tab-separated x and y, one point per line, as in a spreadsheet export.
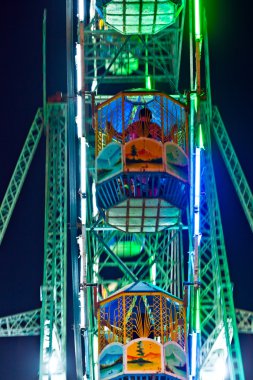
201	141
148	83
197	310
126	248
197	19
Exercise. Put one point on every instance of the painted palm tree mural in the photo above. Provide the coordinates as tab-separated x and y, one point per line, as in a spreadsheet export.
144	153
140	349
144	355
134	152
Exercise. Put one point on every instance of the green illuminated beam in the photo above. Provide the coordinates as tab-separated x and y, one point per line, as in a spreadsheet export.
217	304
20	172
148	83
22	324
234	168
200	137
53	311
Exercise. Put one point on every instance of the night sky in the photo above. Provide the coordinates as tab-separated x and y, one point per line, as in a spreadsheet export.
21	253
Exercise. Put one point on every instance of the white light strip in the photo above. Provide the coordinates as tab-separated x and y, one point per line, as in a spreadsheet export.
81	10
94	85
80	244
94	201
81	294
79	116
194	353
92	9
83	210
153	274
95	350
83	146
83	168
78	67
82	311
95	270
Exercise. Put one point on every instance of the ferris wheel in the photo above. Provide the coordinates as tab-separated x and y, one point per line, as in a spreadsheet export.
155	235
130	174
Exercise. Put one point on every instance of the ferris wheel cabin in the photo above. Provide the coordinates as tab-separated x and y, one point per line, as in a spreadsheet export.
142	160
142	335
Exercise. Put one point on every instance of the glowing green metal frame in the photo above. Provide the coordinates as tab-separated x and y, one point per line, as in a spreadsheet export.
53	311
20	172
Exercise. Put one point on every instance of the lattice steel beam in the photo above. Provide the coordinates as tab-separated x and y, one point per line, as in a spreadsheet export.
160	253
217	304
233	166
53	316
22	324
244	320
20	172
214	348
111	57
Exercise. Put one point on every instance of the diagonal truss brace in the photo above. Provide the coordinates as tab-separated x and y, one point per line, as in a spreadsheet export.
22	324
234	168
20	172
117	260
214	346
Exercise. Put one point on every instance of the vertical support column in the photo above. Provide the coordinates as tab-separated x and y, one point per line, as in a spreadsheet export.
195	150
44	31
53	312
85	293
73	183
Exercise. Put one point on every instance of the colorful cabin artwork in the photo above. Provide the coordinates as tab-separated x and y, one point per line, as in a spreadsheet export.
142	160
142	331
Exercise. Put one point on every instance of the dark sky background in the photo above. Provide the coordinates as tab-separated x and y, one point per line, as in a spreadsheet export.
21	253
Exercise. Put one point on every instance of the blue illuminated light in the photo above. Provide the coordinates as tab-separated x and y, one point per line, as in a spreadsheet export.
197	194
193	358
